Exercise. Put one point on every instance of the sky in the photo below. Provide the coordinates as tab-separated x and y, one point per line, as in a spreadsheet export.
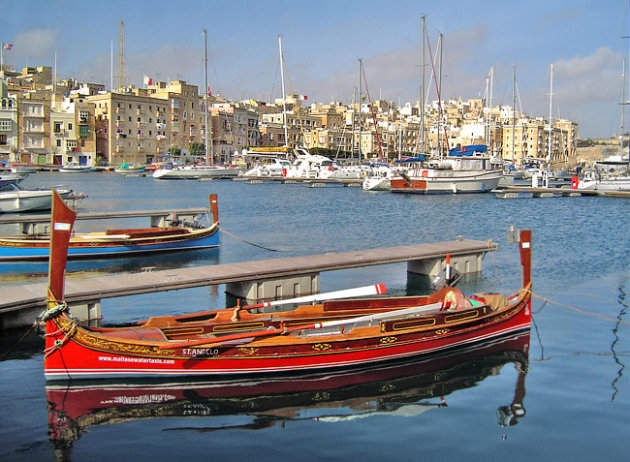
322	41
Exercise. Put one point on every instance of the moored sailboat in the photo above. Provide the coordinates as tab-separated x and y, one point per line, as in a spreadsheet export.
464	170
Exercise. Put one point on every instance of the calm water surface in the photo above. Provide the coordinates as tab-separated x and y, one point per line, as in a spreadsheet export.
574	390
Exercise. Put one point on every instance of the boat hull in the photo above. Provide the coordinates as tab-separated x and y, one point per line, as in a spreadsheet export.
84	354
459	183
30	249
192	173
377	184
27	200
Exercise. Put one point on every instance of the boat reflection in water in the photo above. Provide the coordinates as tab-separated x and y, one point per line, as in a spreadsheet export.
400	388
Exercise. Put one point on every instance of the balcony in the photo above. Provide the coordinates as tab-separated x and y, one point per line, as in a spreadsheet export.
39	130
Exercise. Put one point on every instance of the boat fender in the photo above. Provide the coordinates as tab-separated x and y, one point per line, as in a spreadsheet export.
54	311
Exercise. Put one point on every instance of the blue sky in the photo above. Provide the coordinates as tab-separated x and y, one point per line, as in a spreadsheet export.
323	40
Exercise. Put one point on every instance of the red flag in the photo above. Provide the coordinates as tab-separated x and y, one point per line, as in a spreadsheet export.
209	92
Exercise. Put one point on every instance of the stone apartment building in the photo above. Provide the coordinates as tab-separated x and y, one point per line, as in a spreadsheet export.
34	128
234	126
184	122
8	123
73	137
131	126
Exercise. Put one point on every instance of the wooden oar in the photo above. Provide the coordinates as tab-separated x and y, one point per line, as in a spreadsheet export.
225	339
376	289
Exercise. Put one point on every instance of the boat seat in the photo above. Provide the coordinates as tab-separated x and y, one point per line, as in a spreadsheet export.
493	300
148	232
143	333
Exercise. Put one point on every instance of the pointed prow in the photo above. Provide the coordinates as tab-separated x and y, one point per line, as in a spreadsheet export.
61	223
214	206
524	239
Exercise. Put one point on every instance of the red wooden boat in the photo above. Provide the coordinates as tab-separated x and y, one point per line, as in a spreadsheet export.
334	334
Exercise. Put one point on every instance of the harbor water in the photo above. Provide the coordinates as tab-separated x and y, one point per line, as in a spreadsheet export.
569	400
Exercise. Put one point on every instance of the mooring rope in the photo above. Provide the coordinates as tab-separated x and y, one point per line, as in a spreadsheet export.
580	310
223	230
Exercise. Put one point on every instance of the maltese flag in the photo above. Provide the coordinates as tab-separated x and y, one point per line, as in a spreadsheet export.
7	46
148	80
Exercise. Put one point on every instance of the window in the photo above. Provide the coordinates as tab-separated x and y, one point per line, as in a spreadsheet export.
69	126
58	143
3	139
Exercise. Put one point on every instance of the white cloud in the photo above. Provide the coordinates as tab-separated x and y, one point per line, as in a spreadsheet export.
35	44
588	89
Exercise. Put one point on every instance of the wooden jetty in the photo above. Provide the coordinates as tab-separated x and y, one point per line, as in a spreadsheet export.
311	182
516	192
253	280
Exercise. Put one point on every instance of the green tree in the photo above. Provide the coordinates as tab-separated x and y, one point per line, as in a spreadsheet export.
175	151
197	149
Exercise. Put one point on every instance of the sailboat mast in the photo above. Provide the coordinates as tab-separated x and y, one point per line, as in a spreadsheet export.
359	106
284	100
422	91
439	140
489	108
513	111
205	94
550	111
